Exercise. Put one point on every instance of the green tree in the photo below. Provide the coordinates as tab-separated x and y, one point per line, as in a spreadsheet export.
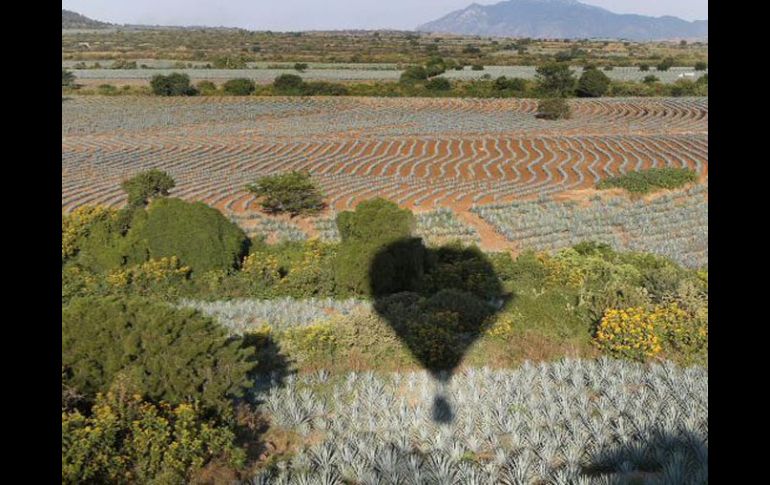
143	187
174	355
292	192
372	226
555	79
701	66
199	235
593	83
300	66
239	87
553	109
288	84
175	84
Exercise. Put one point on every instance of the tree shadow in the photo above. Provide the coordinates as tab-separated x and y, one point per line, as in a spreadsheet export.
272	369
652	456
438	301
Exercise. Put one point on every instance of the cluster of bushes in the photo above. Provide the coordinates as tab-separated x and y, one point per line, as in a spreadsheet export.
651	180
553	80
293	85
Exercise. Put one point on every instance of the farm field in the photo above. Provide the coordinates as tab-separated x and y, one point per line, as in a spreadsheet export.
425	154
261	73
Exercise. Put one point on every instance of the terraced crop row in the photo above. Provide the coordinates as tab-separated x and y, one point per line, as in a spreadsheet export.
570	422
673	225
199	120
415	172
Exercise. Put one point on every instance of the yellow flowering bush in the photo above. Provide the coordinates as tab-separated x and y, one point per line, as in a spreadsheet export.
310	341
163	270
129	440
263	266
504	326
630	333
683	332
638	333
562	270
74	226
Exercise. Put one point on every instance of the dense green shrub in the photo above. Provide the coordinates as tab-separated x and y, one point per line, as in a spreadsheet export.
650	78
175	355
644	67
477	67
291	192
650	180
513	84
77	225
288	84
102	246
555	79
685	87
239	87
174	84
701	66
413	73
438	84
323	88
200	236
593	83
666	64
125	439
300	66
553	109
373	225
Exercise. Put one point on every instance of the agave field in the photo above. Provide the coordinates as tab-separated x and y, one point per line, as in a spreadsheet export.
266	72
674	224
243	316
441	156
568	422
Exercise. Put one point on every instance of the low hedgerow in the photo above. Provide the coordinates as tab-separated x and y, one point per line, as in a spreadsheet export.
651	180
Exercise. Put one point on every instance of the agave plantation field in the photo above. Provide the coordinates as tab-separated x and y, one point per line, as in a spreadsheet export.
266	73
569	422
445	156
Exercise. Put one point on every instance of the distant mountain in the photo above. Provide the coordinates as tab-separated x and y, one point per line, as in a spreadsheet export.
73	20
562	19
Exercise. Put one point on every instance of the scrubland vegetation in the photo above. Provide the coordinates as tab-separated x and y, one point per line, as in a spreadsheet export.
175	324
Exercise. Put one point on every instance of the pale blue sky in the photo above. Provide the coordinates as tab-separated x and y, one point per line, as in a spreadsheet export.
283	15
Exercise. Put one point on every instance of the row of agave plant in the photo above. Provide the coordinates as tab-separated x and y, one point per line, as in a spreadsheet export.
302	117
245	315
673	225
568	422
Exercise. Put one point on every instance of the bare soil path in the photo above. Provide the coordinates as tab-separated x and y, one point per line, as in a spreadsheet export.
491	240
